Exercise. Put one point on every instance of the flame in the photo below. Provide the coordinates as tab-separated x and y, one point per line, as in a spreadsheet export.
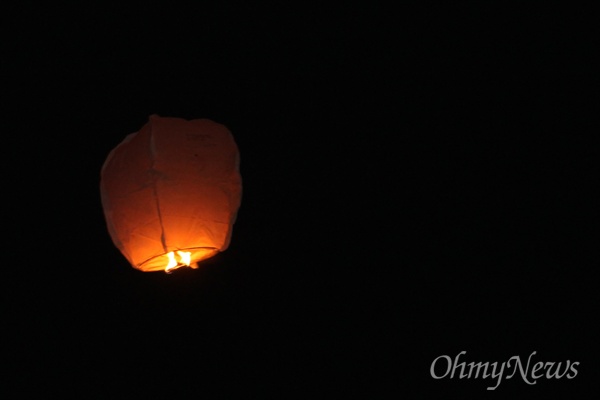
172	263
184	260
185	257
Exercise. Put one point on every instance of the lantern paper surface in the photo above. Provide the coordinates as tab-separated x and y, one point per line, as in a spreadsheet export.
171	192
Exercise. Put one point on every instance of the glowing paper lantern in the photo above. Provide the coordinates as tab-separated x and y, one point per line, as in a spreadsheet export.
171	193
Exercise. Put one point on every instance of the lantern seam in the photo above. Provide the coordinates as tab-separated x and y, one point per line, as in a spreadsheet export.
154	188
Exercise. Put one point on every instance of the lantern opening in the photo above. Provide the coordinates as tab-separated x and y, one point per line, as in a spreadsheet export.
176	259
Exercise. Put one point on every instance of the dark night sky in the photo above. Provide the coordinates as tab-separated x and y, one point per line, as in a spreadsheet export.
418	181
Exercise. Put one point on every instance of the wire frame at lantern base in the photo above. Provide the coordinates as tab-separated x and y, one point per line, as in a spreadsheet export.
170	261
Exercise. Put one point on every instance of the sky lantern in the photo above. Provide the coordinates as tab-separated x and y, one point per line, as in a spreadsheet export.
170	193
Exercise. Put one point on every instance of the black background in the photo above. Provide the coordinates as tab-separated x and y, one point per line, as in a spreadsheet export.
419	180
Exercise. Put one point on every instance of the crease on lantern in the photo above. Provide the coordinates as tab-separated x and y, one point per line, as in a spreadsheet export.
154	191
184	256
